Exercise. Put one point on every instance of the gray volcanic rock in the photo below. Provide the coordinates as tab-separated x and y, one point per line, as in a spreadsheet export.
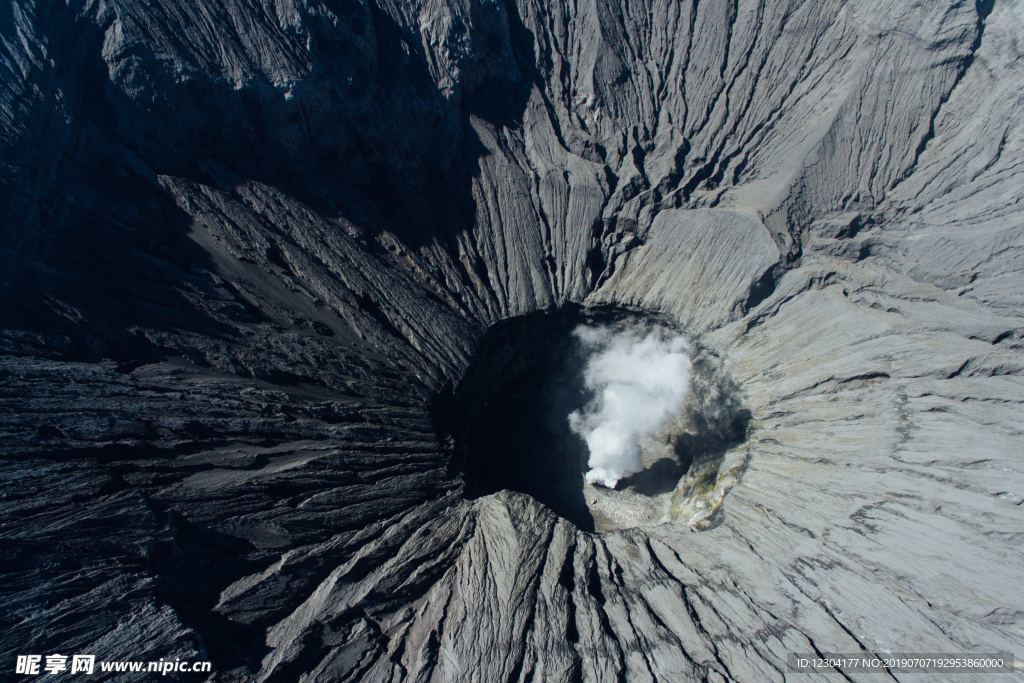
247	244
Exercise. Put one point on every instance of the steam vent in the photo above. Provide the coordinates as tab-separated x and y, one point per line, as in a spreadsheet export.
462	340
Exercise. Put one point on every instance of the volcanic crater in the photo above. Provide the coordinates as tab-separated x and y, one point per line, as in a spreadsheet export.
287	352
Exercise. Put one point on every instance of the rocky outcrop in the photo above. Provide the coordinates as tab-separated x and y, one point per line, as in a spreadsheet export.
247	244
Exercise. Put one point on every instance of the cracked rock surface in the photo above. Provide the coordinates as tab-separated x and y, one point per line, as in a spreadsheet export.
245	244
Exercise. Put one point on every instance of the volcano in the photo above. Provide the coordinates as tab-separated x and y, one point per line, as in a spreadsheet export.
288	292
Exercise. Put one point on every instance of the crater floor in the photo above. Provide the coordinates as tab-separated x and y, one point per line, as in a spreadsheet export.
508	424
252	252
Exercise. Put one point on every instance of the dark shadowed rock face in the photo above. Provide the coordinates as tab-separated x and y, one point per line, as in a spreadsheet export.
509	415
252	253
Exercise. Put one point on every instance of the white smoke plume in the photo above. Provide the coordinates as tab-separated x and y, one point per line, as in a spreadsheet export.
639	381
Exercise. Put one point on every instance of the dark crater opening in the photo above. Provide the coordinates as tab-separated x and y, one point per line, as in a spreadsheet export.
510	413
508	416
